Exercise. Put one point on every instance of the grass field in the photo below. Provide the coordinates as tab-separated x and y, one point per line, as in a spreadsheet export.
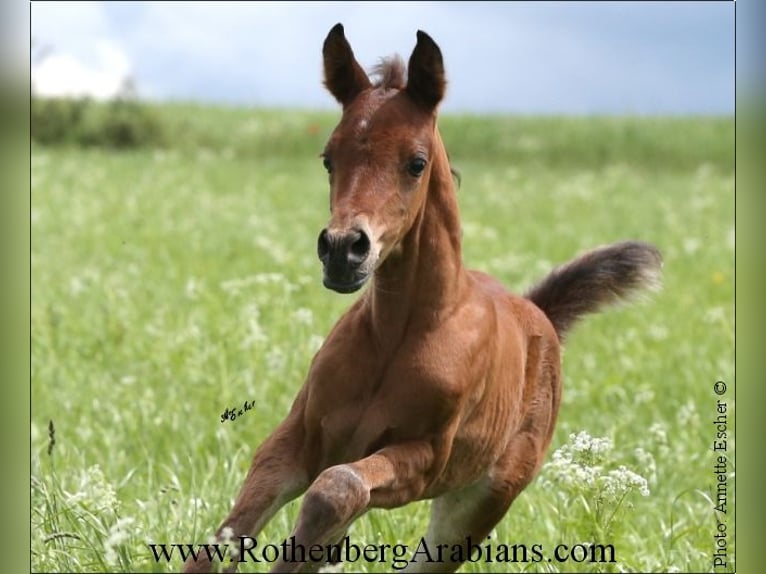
170	284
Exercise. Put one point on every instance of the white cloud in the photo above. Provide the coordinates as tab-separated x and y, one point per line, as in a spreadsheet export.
74	51
63	74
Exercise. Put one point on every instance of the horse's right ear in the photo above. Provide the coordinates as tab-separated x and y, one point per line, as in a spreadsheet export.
343	75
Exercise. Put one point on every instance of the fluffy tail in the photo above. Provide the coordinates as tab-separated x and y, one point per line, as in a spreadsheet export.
603	276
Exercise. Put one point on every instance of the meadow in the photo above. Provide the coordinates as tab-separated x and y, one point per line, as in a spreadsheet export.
172	282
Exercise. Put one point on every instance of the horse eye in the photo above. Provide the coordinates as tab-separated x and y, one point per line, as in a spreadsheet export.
327	164
416	166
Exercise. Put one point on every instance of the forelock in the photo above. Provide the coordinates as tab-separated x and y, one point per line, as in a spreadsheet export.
390	73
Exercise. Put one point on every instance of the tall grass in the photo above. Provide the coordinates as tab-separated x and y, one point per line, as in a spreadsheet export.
174	281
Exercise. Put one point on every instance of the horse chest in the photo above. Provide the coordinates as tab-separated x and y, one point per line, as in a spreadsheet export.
352	412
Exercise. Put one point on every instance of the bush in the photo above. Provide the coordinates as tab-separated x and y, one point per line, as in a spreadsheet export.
120	123
56	120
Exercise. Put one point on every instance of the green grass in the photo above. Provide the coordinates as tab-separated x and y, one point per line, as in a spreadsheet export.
169	284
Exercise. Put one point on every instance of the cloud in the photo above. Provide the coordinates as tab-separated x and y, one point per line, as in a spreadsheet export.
74	51
65	75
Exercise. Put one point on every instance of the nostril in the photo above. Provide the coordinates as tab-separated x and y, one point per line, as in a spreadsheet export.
323	245
360	248
347	250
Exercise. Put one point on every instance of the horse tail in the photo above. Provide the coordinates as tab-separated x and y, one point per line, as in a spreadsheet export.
603	276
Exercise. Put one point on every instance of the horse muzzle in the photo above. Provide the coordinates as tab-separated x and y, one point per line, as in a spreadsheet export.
347	258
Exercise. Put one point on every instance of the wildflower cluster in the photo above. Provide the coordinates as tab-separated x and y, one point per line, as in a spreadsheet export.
93	492
583	470
581	465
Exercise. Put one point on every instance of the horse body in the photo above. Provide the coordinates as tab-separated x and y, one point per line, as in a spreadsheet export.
437	383
463	386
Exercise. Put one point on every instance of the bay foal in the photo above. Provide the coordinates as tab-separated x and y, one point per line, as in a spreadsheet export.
437	383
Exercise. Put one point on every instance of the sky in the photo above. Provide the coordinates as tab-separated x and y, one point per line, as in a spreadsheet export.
519	57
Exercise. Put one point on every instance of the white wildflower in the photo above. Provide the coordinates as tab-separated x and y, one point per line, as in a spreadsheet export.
94	491
647	463
589	361
273	249
275	359
192	288
303	316
266	278
118	534
581	467
627	363
475	230
658	433
226	537
566	468
691	245
620	481
588	447
715	315
645	394
688	415
658	332
227	534
256	334
76	285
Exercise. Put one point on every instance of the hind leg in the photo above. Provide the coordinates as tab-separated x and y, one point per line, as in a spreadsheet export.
472	512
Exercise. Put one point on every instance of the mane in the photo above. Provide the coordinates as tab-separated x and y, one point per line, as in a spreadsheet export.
390	73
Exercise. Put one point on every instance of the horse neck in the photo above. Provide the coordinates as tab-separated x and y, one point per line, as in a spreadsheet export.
426	278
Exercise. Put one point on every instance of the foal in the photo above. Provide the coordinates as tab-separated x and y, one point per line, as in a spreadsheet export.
437	383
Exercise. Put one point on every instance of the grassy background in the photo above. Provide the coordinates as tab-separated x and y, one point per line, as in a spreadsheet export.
172	281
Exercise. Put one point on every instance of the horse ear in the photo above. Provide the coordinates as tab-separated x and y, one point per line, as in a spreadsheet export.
425	77
343	76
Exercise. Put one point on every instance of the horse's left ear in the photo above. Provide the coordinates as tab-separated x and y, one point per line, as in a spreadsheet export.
425	77
343	75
